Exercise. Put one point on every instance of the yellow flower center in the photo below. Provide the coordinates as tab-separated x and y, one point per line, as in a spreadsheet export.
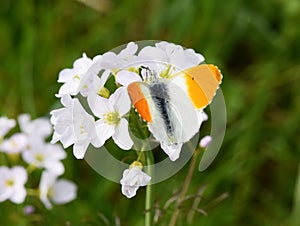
82	130
134	69
9	183
13	144
112	118
104	92
76	77
166	73
136	164
39	157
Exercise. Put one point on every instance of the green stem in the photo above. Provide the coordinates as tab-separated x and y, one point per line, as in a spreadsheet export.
295	220
184	189
149	189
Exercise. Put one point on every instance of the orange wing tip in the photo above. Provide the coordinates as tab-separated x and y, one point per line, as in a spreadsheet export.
216	71
139	101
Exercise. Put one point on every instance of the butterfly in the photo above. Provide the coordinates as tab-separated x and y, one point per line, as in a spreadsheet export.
172	105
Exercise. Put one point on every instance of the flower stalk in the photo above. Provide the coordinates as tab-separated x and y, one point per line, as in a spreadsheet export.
185	187
149	189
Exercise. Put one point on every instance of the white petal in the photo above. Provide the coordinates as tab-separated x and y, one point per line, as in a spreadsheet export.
121	101
83	62
5	125
105	75
47	180
20	175
63	191
56	137
46	202
39	127
100	106
135	176
129	191
80	149
103	130
125	77
130	50
15	144
5	193
65	75
121	136
18	195
66	100
150	53
109	61
68	137
55	167
132	179
55	151
24	121
95	141
70	88
193	57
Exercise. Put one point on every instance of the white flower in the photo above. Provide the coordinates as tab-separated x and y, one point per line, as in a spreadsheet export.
205	141
44	155
166	54
15	144
132	179
111	122
73	125
58	191
6	125
40	127
72	77
12	184
95	85
125	58
175	54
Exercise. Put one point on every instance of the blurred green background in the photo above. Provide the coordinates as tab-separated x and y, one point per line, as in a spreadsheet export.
255	43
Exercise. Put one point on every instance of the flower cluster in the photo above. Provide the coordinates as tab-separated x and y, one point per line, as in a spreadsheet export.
96	109
28	148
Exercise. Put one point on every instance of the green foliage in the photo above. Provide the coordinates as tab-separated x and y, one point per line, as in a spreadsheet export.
254	43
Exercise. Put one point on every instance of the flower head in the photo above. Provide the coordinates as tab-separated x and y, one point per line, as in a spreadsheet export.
15	144
59	191
111	121
71	77
73	125
132	179
114	62
44	155
94	85
38	128
12	184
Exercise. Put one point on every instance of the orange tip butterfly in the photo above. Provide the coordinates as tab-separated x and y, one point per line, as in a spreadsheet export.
173	107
